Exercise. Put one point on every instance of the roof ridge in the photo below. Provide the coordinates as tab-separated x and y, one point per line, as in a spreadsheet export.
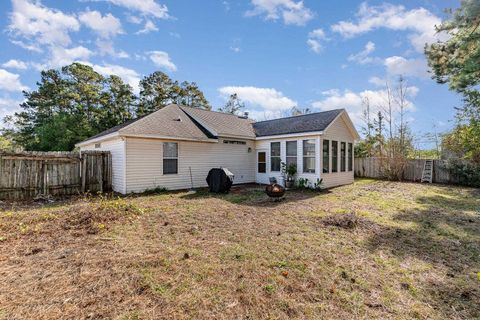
225	113
301	115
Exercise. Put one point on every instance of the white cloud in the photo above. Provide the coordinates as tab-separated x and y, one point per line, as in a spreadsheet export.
162	59
266	98
353	101
407	67
63	56
291	11
106	26
8	107
15	64
420	22
134	19
28	46
235	49
314	40
10	81
363	57
149	27
130	76
145	7
39	24
105	47
379	82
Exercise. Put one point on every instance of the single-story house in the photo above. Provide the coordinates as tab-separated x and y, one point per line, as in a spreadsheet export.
176	146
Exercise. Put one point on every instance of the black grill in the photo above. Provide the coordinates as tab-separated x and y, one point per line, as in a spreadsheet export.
220	180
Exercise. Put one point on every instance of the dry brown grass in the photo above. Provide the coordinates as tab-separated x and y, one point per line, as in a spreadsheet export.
369	250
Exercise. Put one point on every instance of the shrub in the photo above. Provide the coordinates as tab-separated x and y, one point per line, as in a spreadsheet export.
155	190
467	173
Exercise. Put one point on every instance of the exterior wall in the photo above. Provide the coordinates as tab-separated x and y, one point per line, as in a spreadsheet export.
338	131
144	164
116	147
264	145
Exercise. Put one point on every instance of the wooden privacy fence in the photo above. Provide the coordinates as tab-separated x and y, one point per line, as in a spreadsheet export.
26	175
371	168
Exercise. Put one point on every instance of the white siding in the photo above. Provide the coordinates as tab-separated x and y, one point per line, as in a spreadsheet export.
264	145
338	131
145	163
117	149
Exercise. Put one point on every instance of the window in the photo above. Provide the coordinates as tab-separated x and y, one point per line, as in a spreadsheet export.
334	156
234	142
98	145
350	156
262	162
275	156
291	153
326	156
343	157
170	158
309	156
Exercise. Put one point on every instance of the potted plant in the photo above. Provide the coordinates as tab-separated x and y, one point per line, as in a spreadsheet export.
289	171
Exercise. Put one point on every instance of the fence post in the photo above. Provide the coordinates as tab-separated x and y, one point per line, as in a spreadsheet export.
100	171
83	162
45	179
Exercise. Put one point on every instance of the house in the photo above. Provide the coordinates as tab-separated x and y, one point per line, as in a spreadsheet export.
176	146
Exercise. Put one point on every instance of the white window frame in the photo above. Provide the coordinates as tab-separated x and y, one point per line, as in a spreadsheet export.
329	151
343	156
279	157
263	162
350	156
304	156
169	158
290	156
334	155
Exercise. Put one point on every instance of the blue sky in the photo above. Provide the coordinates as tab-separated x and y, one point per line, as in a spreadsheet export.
274	53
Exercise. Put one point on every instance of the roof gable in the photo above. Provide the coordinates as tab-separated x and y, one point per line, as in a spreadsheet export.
311	122
222	124
169	121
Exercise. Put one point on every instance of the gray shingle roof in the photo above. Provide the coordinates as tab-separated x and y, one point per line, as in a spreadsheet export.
318	121
222	124
163	122
199	124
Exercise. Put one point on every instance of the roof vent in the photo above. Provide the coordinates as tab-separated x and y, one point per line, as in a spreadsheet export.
244	116
178	119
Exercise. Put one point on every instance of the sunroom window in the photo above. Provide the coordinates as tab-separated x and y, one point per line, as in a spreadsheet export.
275	156
334	156
309	156
291	152
326	156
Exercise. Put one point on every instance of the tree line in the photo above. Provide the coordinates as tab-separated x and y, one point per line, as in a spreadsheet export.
456	62
76	102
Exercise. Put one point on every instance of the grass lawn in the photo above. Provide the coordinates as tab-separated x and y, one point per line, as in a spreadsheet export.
373	249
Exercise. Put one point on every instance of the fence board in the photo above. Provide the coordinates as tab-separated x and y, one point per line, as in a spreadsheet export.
30	174
371	168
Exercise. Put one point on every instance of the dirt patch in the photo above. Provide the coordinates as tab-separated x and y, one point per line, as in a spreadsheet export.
348	221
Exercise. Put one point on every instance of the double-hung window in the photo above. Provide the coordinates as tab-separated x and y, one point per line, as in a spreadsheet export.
170	158
343	156
326	156
291	153
350	157
275	156
334	156
309	156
